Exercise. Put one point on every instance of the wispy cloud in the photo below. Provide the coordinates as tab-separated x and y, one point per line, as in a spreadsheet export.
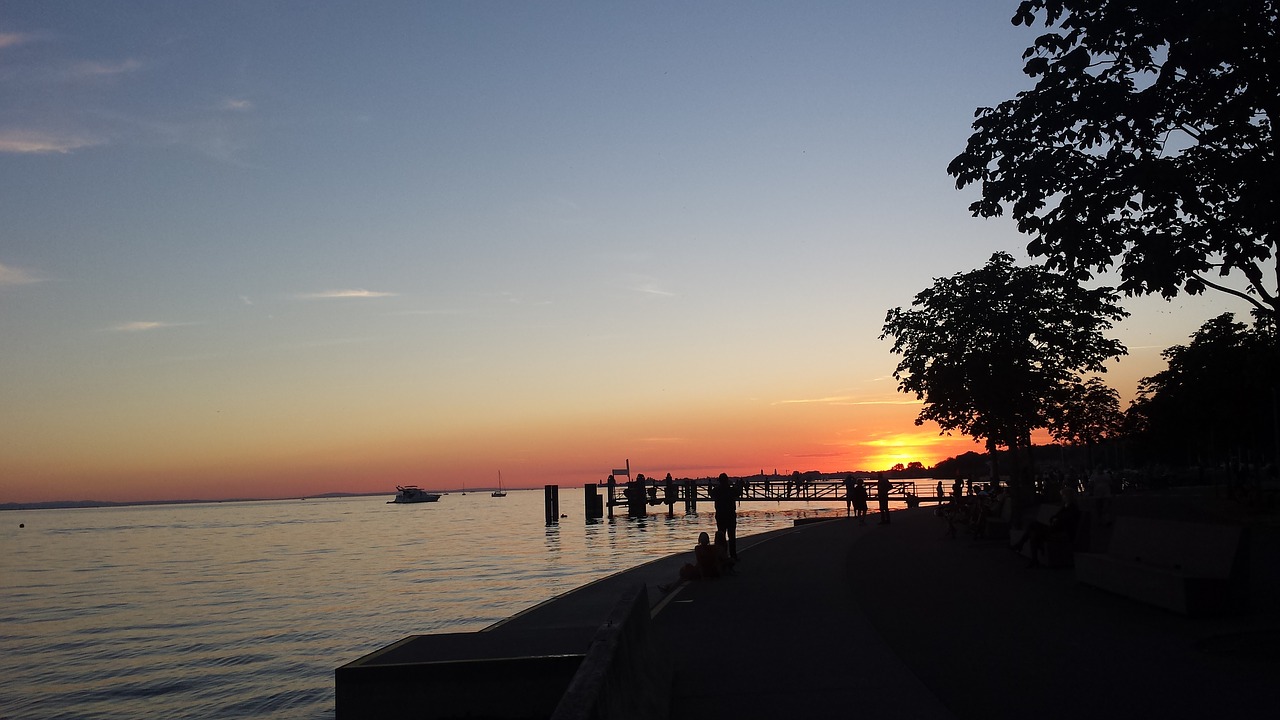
513	299
333	342
652	288
829	400
440	312
649	286
237	104
888	402
144	326
16	276
213	136
331	294
913	439
97	69
845	400
70	72
38	141
10	39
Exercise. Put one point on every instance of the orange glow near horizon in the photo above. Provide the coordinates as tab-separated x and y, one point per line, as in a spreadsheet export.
370	453
739	440
923	446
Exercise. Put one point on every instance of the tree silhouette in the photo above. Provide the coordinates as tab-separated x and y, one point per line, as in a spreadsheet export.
1146	144
1216	400
1089	414
992	351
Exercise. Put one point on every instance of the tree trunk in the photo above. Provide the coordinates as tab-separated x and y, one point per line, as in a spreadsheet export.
995	460
1031	460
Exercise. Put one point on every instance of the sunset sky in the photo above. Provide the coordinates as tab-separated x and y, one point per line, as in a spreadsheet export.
286	248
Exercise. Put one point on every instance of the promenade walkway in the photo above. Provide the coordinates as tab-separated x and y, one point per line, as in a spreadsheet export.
836	619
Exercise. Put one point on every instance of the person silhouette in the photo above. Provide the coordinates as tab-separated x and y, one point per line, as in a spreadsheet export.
725	496
860	501
706	564
706	557
882	496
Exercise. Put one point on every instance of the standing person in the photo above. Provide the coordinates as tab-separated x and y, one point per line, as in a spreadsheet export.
726	503
939	490
860	501
848	493
882	495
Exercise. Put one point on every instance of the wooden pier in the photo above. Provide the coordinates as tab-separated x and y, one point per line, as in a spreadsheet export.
642	493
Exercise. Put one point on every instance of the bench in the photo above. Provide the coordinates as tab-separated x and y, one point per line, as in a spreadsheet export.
1185	567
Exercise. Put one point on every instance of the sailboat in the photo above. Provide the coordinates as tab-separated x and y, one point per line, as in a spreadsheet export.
499	492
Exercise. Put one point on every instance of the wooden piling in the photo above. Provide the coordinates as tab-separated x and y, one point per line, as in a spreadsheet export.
551	502
594	503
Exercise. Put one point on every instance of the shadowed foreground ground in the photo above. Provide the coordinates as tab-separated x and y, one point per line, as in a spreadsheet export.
835	619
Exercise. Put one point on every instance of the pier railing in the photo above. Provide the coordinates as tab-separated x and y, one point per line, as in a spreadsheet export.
772	489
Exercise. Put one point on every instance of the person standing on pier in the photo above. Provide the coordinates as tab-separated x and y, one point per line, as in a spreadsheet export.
860	501
848	494
725	496
882	495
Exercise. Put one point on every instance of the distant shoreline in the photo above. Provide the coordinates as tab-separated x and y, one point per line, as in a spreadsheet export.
84	504
915	475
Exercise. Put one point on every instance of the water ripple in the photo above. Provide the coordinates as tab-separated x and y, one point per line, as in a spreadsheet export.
243	610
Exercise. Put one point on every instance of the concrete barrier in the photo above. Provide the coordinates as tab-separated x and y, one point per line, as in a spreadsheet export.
511	676
624	675
589	671
1189	568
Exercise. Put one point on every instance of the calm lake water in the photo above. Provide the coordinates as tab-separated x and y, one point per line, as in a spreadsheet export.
244	610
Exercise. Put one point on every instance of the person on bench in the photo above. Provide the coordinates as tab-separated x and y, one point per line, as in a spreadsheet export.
1061	525
990	505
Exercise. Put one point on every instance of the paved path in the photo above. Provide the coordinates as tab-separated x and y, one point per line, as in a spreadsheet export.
835	619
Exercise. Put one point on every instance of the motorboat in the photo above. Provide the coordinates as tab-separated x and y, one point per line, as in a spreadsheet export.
412	494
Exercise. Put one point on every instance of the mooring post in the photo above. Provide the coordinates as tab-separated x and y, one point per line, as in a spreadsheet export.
551	500
635	496
591	493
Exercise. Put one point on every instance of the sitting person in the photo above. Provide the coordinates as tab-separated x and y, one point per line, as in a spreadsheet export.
990	512
707	556
1062	525
706	563
724	560
952	513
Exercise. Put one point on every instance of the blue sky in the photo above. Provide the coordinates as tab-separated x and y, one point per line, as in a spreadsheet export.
244	236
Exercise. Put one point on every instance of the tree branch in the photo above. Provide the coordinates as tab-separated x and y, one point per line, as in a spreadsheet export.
1232	291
